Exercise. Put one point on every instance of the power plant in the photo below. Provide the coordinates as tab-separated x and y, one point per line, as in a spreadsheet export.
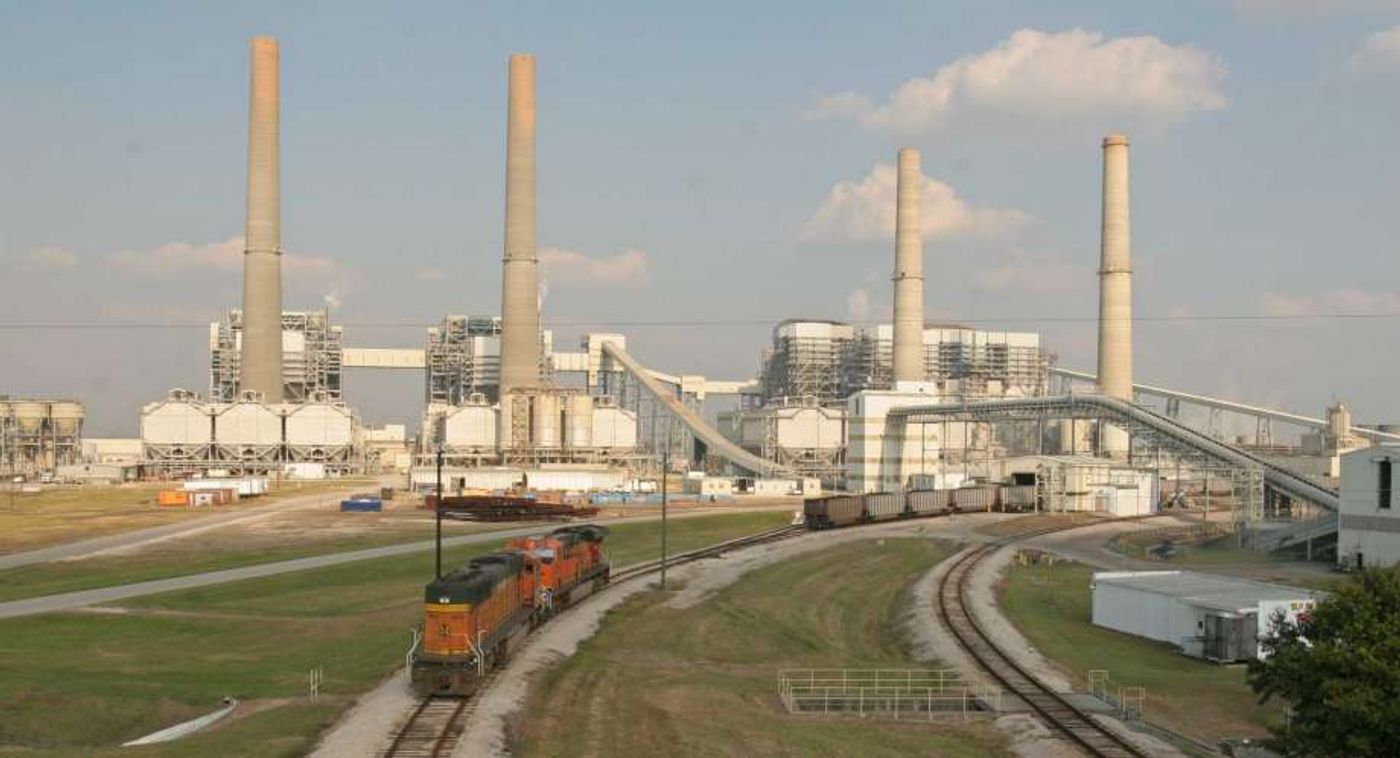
864	408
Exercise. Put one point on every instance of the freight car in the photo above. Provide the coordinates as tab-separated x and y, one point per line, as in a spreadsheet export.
883	506
476	615
976	499
1020	497
927	502
833	511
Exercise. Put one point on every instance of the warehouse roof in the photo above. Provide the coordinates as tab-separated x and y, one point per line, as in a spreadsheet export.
1206	590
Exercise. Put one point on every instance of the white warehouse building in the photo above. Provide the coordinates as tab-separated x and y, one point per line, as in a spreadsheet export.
1368	527
1215	617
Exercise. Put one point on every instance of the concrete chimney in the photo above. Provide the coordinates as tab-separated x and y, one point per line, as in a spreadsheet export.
1116	275
261	366
1115	291
908	273
520	305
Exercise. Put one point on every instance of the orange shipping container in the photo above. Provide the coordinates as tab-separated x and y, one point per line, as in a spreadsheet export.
173	498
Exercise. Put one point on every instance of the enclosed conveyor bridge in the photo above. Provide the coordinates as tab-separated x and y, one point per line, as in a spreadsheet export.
1140	422
716	443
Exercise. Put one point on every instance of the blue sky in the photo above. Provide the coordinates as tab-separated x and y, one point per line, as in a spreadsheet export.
709	162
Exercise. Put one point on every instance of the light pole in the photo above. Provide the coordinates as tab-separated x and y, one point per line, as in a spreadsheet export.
437	511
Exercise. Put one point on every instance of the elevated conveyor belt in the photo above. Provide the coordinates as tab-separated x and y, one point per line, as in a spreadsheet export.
715	442
1120	412
1233	407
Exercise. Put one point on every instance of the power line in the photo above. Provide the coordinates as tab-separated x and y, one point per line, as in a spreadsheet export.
691	323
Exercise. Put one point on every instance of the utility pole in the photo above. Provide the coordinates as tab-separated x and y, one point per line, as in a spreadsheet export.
665	470
437	512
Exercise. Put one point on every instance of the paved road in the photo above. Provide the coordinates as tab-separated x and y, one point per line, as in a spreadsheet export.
87	547
71	600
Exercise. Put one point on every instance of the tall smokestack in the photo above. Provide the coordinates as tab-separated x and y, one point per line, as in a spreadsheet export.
261	365
520	310
1116	275
908	273
1115	291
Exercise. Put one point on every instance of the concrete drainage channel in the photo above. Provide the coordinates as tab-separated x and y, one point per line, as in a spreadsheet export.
172	733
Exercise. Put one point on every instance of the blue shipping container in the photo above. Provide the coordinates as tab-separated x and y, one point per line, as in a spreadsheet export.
362	505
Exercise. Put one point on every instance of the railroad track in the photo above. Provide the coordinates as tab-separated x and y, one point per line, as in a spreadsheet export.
436	723
713	551
1052	707
432	730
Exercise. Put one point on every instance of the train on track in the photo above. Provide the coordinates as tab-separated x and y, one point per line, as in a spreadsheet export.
835	511
476	615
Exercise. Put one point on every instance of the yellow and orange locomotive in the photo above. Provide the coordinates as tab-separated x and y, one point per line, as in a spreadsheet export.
476	615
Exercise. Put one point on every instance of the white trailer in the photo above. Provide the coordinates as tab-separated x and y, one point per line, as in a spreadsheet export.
1206	616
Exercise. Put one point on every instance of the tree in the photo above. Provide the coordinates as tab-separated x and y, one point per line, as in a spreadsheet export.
1339	669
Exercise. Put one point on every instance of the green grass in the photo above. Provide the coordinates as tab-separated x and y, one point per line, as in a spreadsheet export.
702	681
182	560
1052	608
64	513
81	683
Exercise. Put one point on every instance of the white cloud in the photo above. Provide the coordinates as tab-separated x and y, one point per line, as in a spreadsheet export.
1051	76
46	258
1380	51
865	210
1339	302
176	259
1038	275
430	274
628	269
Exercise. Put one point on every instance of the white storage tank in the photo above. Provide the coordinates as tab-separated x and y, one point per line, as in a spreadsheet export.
546	421
29	415
578	428
614	428
177	422
248	430
324	425
66	417
471	427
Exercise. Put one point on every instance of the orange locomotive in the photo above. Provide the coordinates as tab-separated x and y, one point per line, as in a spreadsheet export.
475	616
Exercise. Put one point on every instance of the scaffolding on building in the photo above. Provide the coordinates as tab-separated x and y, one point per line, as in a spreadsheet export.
463	358
805	361
311	357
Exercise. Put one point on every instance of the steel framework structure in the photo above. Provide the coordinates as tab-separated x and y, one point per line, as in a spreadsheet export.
1255	479
313	372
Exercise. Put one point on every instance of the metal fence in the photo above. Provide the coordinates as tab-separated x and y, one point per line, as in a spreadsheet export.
1127	700
885	693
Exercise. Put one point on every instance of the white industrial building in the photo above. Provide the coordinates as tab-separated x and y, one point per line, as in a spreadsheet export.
1368	531
1206	616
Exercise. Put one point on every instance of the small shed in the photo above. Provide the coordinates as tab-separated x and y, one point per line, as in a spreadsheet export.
1207	616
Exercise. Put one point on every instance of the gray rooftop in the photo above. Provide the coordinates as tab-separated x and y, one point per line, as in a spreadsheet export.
1207	590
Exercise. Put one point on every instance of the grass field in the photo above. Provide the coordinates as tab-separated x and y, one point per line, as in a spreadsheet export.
702	681
181	558
1051	607
305	533
60	514
78	684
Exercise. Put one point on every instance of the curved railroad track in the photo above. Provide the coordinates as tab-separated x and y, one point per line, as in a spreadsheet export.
437	722
1053	708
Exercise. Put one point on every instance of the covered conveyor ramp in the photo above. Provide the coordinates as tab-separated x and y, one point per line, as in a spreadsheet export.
716	443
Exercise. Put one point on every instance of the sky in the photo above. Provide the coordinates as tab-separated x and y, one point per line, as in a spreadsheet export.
706	170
